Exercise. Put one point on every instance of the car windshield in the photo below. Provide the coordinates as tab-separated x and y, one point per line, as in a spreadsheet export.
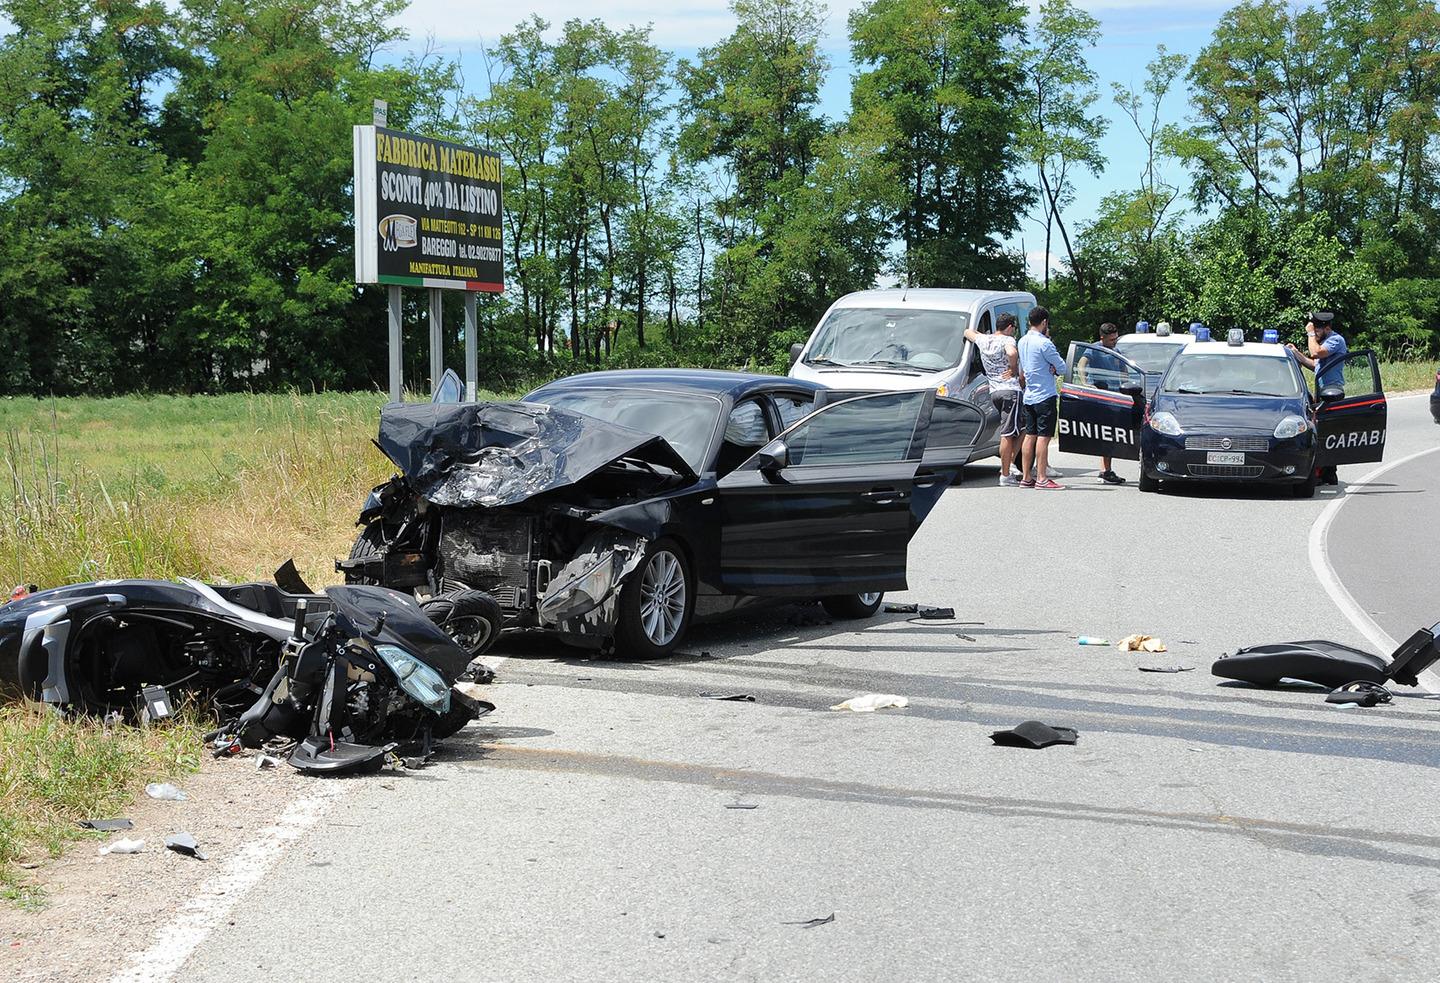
1250	375
685	420
1151	356
919	340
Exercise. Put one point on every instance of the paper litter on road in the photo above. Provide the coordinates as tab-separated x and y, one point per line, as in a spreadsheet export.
1141	643
122	846
871	702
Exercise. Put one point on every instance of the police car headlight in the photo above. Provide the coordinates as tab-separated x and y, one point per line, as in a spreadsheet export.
1291	426
1165	423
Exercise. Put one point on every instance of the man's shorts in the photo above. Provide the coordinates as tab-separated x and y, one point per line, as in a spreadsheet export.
1038	419
1007	401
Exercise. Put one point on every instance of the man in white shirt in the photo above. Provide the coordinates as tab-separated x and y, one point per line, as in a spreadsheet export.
1001	361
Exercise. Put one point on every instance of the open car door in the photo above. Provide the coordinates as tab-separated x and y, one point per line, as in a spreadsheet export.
829	506
1350	423
956	426
1102	403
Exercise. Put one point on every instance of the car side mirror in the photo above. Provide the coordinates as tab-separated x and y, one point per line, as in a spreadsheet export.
795	351
1331	393
773	457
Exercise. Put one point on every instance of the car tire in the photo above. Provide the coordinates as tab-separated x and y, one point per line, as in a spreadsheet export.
852	607
1304	489
471	617
367	546
651	626
1147	483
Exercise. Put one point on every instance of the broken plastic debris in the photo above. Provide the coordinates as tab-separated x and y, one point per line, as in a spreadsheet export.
122	846
902	609
165	791
1090	640
871	702
741	805
936	614
732	697
1034	734
1360	693
813	922
966	638
106	825
1141	643
184	843
263	761
1166	668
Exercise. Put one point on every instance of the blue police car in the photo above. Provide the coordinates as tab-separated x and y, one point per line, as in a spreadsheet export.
1227	411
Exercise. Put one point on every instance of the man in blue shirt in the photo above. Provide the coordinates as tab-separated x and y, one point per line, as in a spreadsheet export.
1326	358
1040	365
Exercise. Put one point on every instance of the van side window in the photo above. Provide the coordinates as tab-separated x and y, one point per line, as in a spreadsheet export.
985	326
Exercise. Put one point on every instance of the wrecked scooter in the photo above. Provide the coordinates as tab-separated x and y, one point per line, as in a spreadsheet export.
350	673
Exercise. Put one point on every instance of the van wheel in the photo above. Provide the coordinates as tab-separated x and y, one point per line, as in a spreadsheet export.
656	604
853	606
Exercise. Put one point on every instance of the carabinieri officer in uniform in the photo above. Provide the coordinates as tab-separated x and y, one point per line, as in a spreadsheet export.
1326	359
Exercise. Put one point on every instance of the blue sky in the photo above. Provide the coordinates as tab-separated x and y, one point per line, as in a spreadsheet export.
1131	30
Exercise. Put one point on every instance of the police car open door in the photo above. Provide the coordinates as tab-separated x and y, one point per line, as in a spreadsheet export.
1350	424
1102	403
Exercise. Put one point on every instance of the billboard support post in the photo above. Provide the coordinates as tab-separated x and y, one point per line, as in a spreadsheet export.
437	338
397	372
472	368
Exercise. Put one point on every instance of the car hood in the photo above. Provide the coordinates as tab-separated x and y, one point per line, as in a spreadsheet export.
1231	414
496	454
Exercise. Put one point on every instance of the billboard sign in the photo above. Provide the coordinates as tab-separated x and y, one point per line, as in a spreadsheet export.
427	212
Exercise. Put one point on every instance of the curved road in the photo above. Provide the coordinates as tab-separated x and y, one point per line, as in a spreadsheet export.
1197	831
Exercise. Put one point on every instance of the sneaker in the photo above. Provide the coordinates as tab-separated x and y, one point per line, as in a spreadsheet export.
1111	478
1009	481
1027	483
1049	485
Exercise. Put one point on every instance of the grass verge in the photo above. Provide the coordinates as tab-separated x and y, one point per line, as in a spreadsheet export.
56	771
1399	377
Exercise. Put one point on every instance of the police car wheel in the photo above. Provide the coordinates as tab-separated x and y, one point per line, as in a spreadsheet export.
1147	483
1305	489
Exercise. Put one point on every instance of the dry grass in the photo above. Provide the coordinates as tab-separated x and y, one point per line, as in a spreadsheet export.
56	771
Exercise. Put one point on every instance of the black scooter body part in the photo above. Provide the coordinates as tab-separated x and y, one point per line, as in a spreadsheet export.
1327	664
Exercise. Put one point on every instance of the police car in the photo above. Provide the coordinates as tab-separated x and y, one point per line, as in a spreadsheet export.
1227	411
1152	350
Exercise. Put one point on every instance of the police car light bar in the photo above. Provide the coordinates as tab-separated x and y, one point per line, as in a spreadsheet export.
1163	330
1142	327
1271	336
1200	332
1236	337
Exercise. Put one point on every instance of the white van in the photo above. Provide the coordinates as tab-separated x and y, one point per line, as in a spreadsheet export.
887	340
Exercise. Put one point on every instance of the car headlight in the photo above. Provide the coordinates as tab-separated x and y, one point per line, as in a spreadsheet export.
1165	423
422	683
1291	426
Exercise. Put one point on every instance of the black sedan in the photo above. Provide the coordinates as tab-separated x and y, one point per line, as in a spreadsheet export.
615	508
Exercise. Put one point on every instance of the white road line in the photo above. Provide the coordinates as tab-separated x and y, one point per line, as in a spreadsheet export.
220	894
1325	573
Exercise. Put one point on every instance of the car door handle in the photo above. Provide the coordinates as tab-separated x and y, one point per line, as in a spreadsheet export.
883	496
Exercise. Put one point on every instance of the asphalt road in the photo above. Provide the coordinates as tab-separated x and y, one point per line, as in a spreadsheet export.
1197	831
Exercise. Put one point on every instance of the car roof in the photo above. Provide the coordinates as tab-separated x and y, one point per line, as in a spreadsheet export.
1221	347
1172	338
928	298
713	382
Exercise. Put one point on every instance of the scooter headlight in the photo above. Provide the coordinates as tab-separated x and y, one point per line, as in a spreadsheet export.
1291	426
1165	423
418	680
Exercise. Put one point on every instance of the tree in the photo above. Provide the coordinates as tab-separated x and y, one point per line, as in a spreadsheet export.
1061	132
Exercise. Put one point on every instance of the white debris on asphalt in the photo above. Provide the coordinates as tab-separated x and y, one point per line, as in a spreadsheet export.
165	791
871	702
122	846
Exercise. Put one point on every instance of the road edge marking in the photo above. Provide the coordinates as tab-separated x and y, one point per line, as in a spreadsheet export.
175	942
1330	580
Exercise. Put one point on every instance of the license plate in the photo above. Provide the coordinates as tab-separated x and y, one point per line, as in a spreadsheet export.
1224	457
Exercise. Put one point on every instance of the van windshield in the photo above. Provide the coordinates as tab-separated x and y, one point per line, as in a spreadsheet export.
918	340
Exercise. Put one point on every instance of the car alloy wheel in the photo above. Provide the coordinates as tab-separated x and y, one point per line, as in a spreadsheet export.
663	598
869	599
